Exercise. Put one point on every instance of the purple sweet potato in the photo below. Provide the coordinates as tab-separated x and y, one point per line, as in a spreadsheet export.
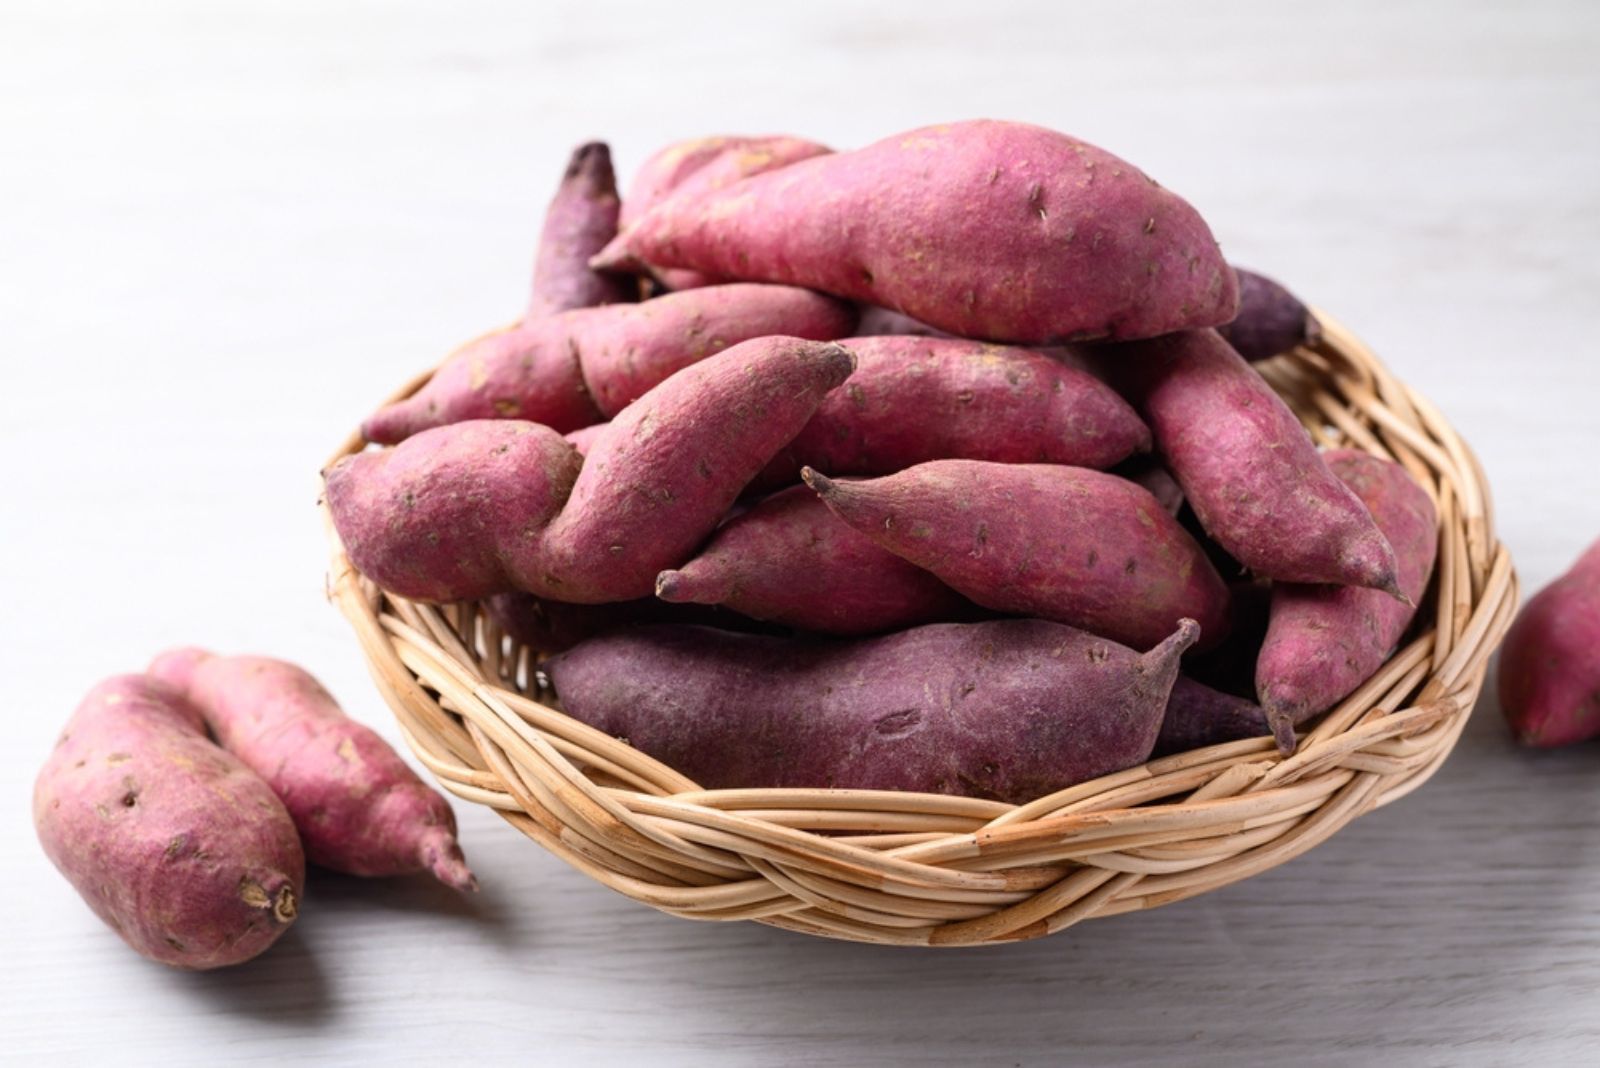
1008	709
790	560
984	229
1247	467
1271	320
453	513
666	470
915	399
1324	641
1550	662
579	222
879	322
1062	543
177	846
552	626
1198	716
574	369
358	807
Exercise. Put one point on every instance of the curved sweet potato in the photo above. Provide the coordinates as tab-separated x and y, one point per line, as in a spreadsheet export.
579	222
177	846
1198	716
1271	320
915	399
789	560
1324	641
1247	467
1550	662
1062	543
358	807
1010	709
985	229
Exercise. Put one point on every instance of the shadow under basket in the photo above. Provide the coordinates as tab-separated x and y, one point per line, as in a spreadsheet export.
922	869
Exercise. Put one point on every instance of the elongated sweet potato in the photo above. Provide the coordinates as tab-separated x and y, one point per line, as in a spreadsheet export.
575	369
667	168
358	807
176	845
454	513
666	470
914	399
579	222
1009	709
1271	320
792	561
1324	641
1247	467
1198	716
1063	543
1550	662
985	229
553	626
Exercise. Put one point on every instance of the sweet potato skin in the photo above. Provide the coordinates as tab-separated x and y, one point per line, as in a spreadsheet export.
666	470
177	846
667	168
1550	662
1271	320
1324	641
1198	716
358	807
575	369
581	219
1008	709
1247	467
1062	543
914	399
584	437
789	560
454	513
555	626
985	229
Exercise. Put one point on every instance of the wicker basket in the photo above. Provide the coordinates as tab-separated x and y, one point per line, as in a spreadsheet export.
920	869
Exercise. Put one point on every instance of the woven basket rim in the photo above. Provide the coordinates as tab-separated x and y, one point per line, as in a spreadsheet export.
926	869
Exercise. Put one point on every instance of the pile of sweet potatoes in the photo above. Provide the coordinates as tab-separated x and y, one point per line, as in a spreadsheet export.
923	466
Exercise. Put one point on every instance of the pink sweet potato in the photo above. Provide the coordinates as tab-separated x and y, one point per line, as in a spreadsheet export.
1198	716
792	561
176	845
572	370
454	513
1550	662
666	470
667	168
1008	709
579	222
1271	320
358	807
985	229
1324	641
1062	543
1247	467
914	399
584	437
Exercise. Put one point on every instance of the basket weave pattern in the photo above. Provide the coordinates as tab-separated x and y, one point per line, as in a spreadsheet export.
921	869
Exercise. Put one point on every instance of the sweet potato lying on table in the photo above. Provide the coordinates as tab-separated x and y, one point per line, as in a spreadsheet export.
1550	662
1008	709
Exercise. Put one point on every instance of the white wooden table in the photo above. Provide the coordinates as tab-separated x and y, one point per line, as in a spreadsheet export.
227	229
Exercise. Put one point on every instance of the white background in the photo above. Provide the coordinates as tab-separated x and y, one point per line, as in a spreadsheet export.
226	230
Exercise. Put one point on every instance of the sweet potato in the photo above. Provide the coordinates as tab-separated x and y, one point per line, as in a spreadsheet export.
1271	320
579	222
1247	467
984	229
790	560
454	513
572	370
1198	716
914	399
1063	543
1147	472
664	473
552	626
1324	641
1008	709
584	437
1550	662
176	845
667	168
358	807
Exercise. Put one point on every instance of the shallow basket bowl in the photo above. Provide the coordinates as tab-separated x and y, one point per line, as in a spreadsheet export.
921	869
